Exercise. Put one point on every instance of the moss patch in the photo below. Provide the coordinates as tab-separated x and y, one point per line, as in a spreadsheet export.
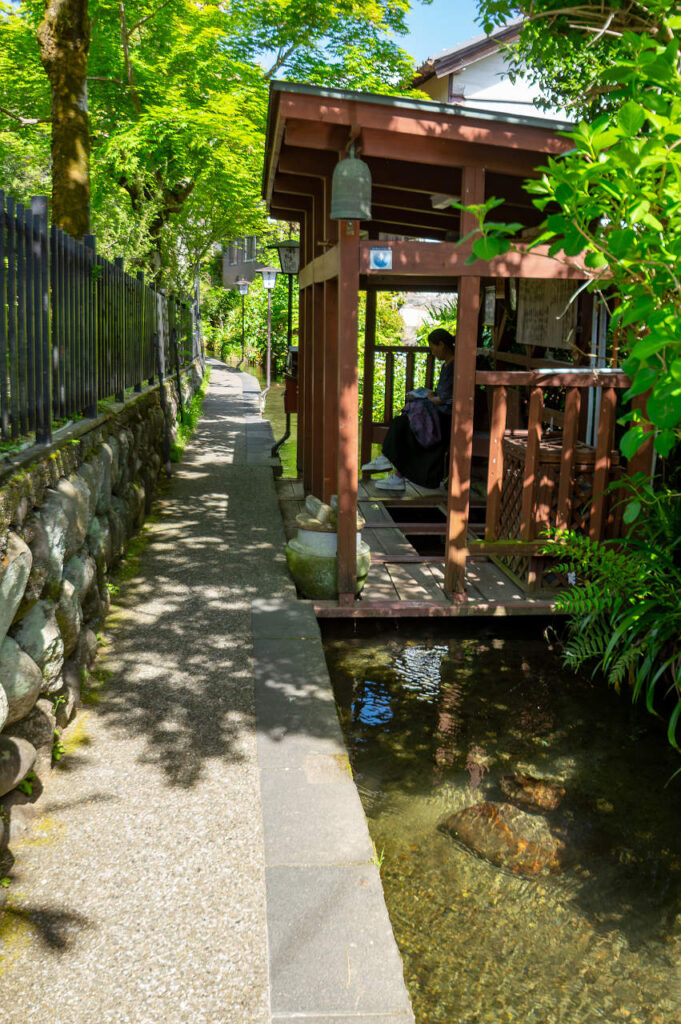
192	414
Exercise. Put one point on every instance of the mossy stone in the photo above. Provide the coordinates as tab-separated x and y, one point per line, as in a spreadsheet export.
316	576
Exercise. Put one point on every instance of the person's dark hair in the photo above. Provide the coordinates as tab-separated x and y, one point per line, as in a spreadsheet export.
440	336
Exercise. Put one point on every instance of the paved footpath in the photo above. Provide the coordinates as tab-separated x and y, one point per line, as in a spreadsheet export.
194	866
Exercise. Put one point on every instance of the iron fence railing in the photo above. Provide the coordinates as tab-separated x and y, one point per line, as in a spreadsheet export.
75	328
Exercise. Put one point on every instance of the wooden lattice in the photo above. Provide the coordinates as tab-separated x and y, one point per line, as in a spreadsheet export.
545	503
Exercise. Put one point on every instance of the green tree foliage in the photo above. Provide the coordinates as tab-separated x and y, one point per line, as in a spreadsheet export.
177	94
616	198
564	48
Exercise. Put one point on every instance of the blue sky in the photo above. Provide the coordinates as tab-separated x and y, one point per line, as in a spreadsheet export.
437	26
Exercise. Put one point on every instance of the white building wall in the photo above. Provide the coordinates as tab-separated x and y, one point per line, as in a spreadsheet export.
486	86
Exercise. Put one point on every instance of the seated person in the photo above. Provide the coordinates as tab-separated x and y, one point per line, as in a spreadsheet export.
401	448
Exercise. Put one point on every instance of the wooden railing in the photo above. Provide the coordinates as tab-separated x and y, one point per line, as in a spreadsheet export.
373	431
74	328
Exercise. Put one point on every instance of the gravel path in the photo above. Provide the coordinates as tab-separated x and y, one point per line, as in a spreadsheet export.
139	896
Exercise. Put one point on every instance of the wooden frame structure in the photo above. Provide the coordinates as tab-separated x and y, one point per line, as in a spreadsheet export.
417	150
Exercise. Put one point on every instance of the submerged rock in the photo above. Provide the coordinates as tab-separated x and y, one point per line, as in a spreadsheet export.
535	794
508	837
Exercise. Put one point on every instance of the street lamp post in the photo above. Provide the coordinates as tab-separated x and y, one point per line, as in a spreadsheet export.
243	286
269	279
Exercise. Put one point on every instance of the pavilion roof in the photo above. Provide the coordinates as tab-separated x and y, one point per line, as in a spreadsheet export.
414	148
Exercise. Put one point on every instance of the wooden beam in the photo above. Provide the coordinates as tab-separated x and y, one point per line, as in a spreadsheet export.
320	269
441	151
480	132
449	259
348	294
570	378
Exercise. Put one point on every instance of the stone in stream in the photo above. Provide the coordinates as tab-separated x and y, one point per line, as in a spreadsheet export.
508	837
535	794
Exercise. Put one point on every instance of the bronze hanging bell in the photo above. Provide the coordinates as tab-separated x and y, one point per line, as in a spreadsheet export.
351	189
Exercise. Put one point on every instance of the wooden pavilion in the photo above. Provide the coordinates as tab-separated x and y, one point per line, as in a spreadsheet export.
420	153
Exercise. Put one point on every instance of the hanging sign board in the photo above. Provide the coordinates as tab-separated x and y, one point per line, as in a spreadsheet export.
380	259
546	317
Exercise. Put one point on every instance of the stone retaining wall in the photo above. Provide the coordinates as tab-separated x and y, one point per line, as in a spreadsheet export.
66	515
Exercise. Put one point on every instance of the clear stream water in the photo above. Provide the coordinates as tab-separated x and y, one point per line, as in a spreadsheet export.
437	723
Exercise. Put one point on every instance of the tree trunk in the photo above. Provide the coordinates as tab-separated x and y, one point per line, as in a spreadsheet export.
64	41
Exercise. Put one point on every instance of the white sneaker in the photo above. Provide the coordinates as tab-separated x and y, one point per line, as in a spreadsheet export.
392	483
378	465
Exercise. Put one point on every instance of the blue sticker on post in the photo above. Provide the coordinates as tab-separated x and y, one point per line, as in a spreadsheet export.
380	259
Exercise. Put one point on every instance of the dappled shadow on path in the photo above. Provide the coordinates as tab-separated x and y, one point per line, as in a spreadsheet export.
178	670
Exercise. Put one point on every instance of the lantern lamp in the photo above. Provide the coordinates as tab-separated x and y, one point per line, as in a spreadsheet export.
243	285
269	277
289	255
351	189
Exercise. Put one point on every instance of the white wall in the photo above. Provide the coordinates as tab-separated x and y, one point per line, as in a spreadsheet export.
485	83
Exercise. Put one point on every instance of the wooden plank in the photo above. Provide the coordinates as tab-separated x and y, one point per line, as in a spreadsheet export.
606	433
413	583
495	469
567	457
379	585
348	289
492	583
531	465
426	610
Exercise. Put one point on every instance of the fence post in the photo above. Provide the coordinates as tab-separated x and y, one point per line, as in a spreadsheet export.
119	337
91	347
176	353
139	330
43	434
160	365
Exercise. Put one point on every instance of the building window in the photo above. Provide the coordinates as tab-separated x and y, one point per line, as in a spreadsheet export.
249	248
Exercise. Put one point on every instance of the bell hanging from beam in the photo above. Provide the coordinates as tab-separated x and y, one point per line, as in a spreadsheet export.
351	189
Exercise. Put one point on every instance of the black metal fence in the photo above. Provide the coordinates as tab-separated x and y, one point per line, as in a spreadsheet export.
74	328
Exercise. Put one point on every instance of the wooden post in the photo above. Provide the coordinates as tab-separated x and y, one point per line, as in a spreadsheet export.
348	288
318	390
495	471
461	442
330	428
306	340
531	464
606	432
642	460
568	451
368	383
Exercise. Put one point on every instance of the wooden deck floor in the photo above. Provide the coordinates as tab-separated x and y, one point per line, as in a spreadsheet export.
400	584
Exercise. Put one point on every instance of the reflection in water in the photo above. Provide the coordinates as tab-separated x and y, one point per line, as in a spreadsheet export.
532	854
